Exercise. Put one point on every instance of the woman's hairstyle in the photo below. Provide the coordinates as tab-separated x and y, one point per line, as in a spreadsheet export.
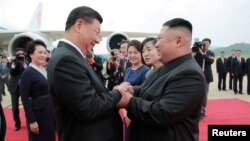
31	47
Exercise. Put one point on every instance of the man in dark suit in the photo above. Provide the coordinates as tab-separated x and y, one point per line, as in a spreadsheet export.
248	75
238	71
167	105
221	67
18	65
229	67
84	108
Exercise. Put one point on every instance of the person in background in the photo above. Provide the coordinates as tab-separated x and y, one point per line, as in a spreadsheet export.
124	52
238	71
114	69
4	74
229	68
84	108
150	54
18	65
247	68
1	56
35	95
205	58
135	75
96	64
221	67
167	105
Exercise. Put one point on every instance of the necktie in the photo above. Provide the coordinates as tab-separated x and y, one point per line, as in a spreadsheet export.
239	59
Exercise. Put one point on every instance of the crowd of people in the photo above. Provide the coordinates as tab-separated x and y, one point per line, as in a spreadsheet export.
147	86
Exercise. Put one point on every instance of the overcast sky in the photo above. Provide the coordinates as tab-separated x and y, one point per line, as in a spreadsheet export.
224	21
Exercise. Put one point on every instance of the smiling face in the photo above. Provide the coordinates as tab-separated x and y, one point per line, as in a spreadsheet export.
134	56
150	54
38	57
166	44
88	34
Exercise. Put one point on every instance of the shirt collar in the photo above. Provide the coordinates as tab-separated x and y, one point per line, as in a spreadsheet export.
73	45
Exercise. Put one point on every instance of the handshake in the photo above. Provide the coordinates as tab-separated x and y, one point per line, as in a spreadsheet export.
126	91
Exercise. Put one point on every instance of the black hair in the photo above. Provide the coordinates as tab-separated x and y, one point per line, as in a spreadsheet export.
124	41
207	39
148	39
31	47
179	22
83	12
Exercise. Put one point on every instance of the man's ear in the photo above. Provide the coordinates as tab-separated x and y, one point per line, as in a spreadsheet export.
78	25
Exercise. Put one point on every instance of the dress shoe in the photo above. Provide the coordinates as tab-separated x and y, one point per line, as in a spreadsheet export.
241	93
17	128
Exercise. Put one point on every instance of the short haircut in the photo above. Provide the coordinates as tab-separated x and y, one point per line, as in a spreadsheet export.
222	52
179	22
207	39
83	12
238	50
124	41
4	57
148	39
19	49
31	47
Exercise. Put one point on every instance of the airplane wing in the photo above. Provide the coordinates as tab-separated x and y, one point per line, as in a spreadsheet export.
10	39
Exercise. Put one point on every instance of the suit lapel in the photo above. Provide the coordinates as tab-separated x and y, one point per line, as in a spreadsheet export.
85	62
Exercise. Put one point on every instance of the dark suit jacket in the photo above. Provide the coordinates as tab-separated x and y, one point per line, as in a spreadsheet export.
208	63
229	64
247	67
15	75
238	69
221	67
84	109
167	105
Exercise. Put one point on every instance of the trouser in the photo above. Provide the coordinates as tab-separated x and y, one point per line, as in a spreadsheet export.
204	103
248	84
231	81
15	106
236	79
222	80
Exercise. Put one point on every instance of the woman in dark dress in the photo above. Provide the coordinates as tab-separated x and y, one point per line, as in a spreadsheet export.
35	96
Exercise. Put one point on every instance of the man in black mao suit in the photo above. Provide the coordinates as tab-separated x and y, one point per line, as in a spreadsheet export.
238	71
221	67
84	109
167	105
248	75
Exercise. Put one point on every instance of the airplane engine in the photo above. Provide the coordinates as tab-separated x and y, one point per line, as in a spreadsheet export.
21	40
114	40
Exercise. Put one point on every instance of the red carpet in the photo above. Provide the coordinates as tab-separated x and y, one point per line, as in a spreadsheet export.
221	111
225	111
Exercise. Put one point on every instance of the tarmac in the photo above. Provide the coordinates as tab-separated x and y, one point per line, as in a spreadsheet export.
214	93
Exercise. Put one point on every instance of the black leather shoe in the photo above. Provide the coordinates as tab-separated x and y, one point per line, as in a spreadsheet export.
17	128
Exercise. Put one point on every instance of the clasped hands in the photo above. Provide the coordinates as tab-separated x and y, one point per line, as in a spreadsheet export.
126	91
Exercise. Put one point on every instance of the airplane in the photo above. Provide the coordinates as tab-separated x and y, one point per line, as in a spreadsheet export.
10	40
